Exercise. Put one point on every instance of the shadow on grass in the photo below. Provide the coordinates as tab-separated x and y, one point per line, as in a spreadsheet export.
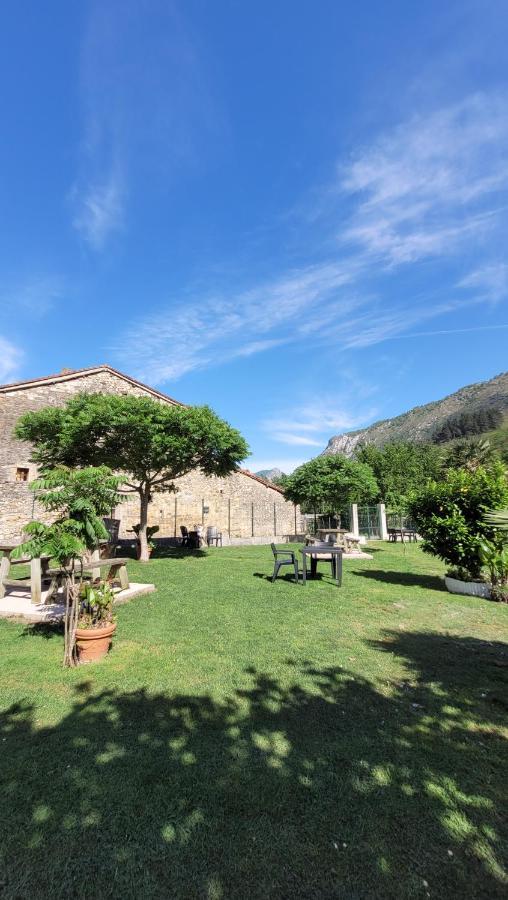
178	552
407	579
46	630
286	576
318	786
290	577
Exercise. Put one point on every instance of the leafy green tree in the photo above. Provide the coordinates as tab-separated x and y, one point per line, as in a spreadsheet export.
327	483
450	516
400	469
470	455
151	443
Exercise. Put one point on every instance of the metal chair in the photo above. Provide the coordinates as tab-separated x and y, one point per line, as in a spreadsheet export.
288	559
213	534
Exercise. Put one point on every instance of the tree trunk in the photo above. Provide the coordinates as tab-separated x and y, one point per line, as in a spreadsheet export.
144	496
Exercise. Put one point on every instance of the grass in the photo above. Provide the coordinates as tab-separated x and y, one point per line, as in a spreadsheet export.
250	740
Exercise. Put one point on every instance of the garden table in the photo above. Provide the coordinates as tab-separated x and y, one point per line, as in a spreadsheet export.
336	533
38	569
317	551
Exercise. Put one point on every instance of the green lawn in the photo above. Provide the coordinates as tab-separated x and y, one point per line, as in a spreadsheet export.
248	740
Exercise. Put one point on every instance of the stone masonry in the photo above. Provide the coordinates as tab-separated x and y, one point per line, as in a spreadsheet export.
244	507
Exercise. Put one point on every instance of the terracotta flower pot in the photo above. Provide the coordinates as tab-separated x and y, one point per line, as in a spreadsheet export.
94	643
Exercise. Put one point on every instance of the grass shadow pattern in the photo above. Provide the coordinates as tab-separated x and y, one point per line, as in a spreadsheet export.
321	787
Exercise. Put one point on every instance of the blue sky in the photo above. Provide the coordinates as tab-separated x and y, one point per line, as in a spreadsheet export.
293	211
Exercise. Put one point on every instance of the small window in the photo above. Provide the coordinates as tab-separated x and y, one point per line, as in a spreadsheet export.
22	474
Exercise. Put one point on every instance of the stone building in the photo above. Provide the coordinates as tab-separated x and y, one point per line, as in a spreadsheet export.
246	508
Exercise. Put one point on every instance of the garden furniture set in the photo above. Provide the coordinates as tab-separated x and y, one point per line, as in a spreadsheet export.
195	538
319	552
404	534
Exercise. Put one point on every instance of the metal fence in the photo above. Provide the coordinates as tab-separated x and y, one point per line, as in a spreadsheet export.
315	521
368	522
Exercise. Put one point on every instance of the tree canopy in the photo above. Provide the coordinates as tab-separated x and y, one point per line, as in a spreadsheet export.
328	483
151	443
470	455
467	423
400	469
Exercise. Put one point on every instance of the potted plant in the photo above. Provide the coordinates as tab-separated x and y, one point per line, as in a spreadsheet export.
450	516
95	626
150	531
77	498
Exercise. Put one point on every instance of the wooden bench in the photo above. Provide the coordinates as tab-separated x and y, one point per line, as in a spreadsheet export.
117	570
38	568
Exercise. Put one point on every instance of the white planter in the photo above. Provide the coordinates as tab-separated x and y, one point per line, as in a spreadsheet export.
471	588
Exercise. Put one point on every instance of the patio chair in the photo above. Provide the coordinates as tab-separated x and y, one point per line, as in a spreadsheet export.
213	534
283	558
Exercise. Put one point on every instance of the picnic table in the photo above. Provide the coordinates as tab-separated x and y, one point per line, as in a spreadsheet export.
336	533
403	533
322	551
340	536
40	571
39	566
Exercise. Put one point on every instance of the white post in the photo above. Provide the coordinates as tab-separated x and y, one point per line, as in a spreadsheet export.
354	528
383	530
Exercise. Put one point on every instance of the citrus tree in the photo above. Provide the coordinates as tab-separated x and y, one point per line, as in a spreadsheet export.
450	515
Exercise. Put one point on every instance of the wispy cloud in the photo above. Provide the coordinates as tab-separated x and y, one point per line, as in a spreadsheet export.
296	440
315	421
100	209
145	99
207	330
488	282
36	294
431	184
436	186
10	360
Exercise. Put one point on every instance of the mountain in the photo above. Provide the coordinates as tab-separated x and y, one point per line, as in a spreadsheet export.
420	423
270	474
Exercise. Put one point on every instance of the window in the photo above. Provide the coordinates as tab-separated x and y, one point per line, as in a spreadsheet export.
22	474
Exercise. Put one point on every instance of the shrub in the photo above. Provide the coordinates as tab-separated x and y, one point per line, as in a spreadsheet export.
450	516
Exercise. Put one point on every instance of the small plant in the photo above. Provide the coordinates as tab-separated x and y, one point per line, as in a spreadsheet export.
150	531
495	554
96	605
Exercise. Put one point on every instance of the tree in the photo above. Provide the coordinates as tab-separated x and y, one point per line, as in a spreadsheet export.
400	469
450	516
464	424
80	498
151	443
328	483
470	455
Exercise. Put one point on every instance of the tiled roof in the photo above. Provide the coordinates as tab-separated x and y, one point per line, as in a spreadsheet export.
69	374
262	481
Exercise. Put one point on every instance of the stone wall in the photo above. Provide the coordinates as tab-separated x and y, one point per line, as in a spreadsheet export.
240	506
